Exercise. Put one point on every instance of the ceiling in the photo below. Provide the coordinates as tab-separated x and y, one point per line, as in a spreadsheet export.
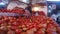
34	1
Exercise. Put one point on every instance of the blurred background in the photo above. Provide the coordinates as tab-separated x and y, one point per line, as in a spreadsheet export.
51	8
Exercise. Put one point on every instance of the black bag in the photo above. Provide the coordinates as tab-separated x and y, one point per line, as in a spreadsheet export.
58	19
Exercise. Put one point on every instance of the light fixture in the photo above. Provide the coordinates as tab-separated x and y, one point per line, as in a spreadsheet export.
2	3
25	1
49	11
36	8
50	7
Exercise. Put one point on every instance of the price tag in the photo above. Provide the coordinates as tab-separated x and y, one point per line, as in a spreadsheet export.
8	14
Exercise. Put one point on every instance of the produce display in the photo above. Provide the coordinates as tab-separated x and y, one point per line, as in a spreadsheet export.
33	25
27	25
40	24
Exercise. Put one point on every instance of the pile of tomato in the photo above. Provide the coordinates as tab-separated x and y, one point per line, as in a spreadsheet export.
33	25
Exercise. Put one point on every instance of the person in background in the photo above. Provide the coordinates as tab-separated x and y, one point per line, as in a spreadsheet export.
54	16
16	3
28	11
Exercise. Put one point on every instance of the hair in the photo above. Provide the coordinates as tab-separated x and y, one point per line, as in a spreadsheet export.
29	9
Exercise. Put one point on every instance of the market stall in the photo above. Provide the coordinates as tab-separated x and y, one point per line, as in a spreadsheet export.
19	20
